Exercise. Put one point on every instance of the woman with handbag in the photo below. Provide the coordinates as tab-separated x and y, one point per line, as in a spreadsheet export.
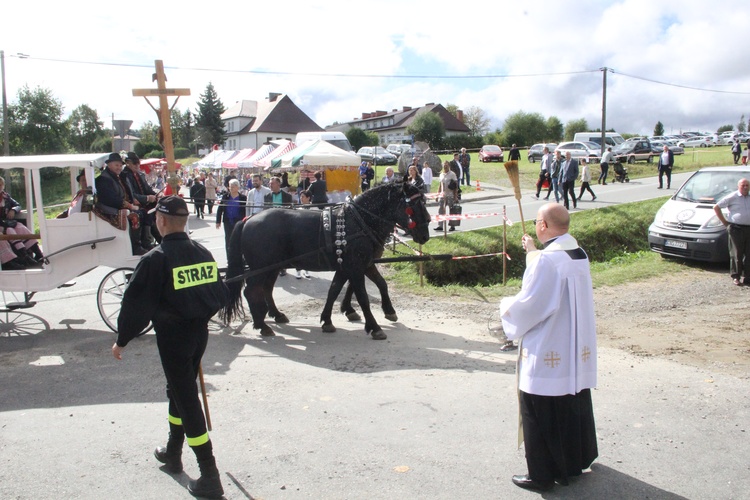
447	192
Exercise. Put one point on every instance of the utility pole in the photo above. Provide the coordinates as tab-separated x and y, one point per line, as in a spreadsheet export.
604	71
6	133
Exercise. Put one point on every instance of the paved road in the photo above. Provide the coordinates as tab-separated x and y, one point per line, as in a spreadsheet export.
429	413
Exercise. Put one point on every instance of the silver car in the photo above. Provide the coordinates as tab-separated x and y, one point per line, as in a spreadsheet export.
589	150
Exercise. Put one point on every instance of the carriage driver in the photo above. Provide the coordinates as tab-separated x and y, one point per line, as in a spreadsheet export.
178	272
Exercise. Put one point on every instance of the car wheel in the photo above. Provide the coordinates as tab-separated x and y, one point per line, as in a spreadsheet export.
703	145
631	160
531	159
650	159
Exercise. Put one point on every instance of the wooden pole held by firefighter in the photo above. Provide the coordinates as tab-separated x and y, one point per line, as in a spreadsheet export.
205	397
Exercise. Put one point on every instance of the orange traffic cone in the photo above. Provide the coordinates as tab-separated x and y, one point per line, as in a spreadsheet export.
478	187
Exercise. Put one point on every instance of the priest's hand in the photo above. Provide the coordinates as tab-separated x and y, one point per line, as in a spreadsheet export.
528	243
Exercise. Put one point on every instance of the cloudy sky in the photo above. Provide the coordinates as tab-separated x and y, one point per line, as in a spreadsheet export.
681	62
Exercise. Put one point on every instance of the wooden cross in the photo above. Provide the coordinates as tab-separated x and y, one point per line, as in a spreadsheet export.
164	112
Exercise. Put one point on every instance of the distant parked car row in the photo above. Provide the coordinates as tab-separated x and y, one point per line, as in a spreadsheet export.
377	155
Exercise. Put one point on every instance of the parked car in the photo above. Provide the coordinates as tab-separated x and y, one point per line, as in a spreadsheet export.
490	153
377	155
535	152
686	225
589	150
702	141
658	147
632	151
398	149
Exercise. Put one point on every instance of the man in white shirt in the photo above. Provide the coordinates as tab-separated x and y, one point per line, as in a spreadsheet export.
552	318
606	160
255	197
427	176
738	230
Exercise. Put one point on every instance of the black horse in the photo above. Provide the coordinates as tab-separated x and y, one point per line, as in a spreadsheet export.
345	239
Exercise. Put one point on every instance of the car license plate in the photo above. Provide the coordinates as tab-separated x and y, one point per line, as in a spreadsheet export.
676	244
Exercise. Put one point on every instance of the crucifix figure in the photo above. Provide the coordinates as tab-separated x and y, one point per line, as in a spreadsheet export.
164	112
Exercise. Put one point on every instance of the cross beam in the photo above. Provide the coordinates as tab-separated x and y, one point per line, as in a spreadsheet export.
164	112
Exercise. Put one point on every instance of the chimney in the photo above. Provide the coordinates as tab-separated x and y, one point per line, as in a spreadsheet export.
394	110
381	113
365	116
430	104
272	96
460	115
407	108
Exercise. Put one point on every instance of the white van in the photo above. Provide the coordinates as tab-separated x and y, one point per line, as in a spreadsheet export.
338	139
611	138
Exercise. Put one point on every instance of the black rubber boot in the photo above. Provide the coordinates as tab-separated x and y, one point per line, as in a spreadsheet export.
171	455
209	484
171	458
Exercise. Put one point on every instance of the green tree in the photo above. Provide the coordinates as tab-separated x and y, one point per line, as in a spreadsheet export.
659	129
452	109
427	127
725	128
575	126
554	129
183	128
84	128
359	138
208	123
741	127
149	132
524	129
35	123
495	137
477	121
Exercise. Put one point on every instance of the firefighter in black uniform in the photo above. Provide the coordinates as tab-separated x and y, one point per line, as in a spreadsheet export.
177	287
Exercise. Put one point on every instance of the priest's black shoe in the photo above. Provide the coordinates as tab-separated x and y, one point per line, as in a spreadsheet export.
529	484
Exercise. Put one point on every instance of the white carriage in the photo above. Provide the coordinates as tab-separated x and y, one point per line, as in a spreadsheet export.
73	245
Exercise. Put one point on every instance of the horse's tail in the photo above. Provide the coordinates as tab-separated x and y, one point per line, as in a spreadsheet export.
235	268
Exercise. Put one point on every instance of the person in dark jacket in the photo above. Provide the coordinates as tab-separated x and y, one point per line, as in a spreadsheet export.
177	287
666	162
113	194
198	194
277	197
231	210
143	194
318	190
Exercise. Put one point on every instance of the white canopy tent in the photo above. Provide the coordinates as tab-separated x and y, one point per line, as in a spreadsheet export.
315	155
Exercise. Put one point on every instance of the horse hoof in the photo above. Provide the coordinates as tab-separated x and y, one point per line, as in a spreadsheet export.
379	335
266	331
353	316
281	318
329	328
391	317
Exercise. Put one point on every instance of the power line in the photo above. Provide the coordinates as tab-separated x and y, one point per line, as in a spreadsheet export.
336	75
679	85
414	77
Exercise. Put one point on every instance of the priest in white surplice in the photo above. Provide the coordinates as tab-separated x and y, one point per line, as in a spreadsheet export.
552	318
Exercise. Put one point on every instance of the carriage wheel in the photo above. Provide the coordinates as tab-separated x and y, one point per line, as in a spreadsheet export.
109	296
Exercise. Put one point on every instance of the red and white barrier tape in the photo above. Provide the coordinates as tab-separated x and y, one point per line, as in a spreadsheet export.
440	218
